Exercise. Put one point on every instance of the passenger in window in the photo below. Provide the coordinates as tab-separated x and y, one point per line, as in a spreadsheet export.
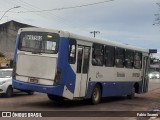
119	62
99	62
94	62
137	61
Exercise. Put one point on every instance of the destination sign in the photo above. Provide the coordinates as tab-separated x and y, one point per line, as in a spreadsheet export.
34	37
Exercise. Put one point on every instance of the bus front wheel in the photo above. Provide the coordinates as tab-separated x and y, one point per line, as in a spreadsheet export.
56	98
96	95
132	95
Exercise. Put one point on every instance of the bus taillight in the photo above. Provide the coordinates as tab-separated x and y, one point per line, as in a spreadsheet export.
14	71
57	77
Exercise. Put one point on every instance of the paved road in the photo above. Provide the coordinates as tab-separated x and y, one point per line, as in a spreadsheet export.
154	84
40	102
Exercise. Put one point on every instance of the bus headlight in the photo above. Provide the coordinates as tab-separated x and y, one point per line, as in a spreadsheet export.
150	75
157	75
14	71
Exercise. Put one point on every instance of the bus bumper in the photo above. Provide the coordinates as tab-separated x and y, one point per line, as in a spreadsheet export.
48	89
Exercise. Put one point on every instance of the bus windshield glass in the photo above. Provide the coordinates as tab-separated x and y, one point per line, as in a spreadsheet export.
39	42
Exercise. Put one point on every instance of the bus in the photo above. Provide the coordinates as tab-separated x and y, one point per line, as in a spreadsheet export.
69	66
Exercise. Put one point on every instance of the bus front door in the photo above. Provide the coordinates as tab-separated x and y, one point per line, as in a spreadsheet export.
82	68
145	79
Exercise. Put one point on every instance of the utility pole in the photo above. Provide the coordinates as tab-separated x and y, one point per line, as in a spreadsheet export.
94	33
8	11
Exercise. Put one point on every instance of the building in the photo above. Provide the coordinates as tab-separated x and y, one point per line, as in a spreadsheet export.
155	65
8	34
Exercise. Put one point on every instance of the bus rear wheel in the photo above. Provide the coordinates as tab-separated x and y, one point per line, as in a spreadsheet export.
132	95
96	95
56	98
30	93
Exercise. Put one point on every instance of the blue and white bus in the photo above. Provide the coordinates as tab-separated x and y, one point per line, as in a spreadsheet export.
64	65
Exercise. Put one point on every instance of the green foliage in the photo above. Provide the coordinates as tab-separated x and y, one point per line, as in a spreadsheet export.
11	63
1	55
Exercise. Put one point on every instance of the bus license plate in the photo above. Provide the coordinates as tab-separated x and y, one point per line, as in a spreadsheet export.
33	80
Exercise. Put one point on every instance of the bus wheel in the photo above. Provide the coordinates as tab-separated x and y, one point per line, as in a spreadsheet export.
9	92
30	93
131	96
56	98
96	95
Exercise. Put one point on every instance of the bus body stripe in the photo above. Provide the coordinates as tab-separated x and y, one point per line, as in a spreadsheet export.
16	48
49	89
68	76
112	88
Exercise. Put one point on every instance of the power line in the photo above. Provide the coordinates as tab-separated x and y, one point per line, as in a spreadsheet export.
27	6
60	19
22	6
71	7
45	15
8	11
65	8
48	13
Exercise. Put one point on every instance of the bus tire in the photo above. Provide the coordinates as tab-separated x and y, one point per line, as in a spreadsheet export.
96	95
9	92
30	93
56	98
132	95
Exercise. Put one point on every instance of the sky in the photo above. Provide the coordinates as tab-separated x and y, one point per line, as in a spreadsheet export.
125	21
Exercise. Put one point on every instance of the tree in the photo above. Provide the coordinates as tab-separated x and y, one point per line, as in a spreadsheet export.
157	17
1	55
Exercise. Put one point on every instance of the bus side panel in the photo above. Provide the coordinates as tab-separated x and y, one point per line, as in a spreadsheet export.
112	88
117	88
16	47
55	90
68	76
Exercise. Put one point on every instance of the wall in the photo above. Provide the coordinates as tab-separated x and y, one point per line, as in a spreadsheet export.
8	33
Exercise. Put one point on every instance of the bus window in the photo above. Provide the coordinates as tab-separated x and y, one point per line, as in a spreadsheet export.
109	56
39	42
138	60
119	57
49	45
72	51
129	58
97	55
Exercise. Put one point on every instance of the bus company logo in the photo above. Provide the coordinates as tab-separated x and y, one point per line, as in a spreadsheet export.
98	75
6	114
120	74
136	75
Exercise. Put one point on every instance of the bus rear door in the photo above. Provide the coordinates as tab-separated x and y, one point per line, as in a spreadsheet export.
82	68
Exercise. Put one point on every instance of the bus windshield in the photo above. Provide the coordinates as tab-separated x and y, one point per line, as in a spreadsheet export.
39	42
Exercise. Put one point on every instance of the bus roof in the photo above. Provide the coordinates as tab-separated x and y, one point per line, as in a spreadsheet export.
110	43
87	39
